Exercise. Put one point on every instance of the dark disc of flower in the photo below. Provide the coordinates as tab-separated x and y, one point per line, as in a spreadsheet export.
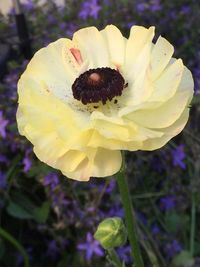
99	84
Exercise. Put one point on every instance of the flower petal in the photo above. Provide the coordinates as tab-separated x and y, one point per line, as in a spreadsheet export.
116	45
160	56
92	46
169	132
56	67
97	163
166	85
166	114
136	69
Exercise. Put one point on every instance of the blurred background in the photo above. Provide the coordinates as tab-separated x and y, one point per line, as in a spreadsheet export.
48	220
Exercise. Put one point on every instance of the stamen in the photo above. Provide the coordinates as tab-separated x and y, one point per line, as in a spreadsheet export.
95	85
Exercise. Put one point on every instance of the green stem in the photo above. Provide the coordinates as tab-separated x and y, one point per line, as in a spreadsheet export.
192	229
16	244
114	257
129	217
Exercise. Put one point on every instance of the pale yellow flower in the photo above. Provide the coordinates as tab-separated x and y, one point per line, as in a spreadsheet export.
135	96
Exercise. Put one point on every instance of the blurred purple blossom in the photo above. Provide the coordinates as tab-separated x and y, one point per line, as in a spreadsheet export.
157	163
19	257
53	249
111	186
142	218
124	253
155	229
172	249
51	19
27	163
59	199
167	202
68	28
141	7
29	5
152	5
196	72
89	8
115	211
155	5
185	9
51	180
3	181
4	159
3	124
91	247
178	155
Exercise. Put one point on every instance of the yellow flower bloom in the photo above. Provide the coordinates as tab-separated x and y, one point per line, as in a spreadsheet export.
83	100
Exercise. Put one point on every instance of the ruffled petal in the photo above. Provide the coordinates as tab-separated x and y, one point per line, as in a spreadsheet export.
97	163
166	85
116	45
169	132
160	56
92	46
164	115
55	67
136	69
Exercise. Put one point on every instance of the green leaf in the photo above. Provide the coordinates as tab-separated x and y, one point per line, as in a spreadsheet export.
41	214
183	259
174	221
17	211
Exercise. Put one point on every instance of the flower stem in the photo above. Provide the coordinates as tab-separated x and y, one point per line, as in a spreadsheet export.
114	257
16	244
129	217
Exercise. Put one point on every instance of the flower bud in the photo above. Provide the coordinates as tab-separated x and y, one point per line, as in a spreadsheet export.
111	233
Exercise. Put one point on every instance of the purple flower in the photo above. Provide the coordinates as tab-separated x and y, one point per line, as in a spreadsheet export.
58	199
53	249
91	247
19	257
130	24
4	159
124	254
178	155
196	72
29	5
142	218
51	180
168	202
3	124
157	164
155	5
116	211
141	7
27	162
68	28
185	9
172	249
89	8
3	181
155	229
111	186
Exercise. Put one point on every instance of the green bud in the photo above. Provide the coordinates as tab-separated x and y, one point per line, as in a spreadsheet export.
111	233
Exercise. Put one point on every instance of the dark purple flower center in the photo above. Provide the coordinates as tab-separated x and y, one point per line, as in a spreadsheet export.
99	84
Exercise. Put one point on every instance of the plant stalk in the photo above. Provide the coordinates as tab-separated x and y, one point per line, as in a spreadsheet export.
129	217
